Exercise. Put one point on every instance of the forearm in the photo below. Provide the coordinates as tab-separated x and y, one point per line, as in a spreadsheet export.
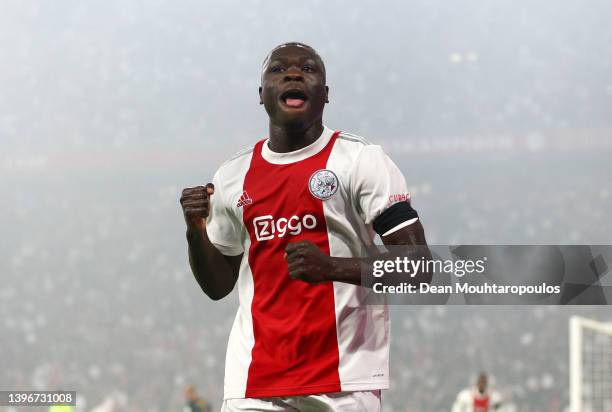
359	271
349	270
307	262
210	268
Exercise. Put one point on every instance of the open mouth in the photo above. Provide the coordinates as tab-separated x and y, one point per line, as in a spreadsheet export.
294	98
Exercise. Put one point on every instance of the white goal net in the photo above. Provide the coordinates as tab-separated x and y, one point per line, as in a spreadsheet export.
590	365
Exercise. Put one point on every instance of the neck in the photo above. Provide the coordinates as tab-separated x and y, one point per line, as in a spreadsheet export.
283	140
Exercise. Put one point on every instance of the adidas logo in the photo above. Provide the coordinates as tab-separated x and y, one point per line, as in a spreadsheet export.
244	199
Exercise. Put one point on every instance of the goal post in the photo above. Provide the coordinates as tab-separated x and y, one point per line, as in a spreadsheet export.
590	365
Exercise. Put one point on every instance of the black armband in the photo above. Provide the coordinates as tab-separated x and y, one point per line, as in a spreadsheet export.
393	216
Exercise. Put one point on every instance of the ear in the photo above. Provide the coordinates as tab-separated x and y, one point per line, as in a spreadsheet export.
260	99
326	94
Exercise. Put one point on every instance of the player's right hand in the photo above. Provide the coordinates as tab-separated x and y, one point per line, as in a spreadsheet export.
195	202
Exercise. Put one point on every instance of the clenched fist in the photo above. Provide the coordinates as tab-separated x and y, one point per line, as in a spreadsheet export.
307	262
196	205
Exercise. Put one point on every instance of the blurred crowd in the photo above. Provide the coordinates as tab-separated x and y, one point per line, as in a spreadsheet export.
114	74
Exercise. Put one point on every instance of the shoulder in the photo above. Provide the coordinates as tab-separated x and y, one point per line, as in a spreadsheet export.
359	141
361	160
229	177
358	148
237	161
465	395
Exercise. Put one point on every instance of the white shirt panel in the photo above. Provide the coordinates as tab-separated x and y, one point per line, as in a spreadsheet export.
363	356
241	339
224	224
375	179
227	232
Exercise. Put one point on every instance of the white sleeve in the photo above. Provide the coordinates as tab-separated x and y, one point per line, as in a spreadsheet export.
462	403
376	183
222	226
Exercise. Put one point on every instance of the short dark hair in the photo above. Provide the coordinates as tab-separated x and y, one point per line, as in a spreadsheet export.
297	44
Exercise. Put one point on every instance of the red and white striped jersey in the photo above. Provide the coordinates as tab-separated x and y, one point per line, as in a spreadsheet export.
290	337
471	400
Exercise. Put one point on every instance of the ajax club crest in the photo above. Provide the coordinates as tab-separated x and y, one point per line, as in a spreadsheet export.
323	184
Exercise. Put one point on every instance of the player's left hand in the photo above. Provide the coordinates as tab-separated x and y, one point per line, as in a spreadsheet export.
306	262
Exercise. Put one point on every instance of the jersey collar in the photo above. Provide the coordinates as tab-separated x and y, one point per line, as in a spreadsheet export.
297	155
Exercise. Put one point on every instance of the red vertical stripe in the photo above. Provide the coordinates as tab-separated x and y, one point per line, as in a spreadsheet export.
294	323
